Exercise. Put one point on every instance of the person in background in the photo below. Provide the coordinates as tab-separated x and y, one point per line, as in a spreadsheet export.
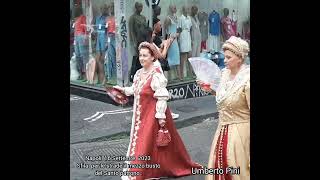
162	46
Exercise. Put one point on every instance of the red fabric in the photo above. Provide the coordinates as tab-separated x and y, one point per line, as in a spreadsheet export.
216	162
111	25
227	28
158	70
223	160
79	26
203	45
234	27
173	159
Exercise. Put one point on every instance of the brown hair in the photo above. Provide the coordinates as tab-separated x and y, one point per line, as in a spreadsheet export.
152	49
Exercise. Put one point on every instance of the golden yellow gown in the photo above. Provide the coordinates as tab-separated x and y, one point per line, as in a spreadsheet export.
231	143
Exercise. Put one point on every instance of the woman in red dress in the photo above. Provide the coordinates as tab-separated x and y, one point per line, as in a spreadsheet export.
150	112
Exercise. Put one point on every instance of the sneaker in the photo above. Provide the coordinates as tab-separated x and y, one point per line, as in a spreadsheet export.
174	116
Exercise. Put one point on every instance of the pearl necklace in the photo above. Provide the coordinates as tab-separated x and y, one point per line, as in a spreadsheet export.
146	72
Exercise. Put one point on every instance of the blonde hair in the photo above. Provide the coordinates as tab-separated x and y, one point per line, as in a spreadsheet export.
238	46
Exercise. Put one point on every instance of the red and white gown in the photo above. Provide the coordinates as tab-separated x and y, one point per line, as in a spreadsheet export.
150	103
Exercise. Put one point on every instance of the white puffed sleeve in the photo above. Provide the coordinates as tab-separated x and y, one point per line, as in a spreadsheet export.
130	90
158	85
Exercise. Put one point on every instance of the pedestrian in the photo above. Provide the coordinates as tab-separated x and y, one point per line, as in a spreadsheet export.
162	46
150	113
231	144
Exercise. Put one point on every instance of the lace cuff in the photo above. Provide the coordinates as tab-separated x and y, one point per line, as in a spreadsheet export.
128	90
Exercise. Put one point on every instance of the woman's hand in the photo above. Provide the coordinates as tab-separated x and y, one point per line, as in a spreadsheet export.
119	88
204	86
170	40
166	44
162	122
199	82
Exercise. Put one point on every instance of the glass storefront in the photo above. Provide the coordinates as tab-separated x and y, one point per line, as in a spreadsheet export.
104	36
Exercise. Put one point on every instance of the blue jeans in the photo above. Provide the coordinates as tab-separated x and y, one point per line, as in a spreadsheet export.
111	62
82	52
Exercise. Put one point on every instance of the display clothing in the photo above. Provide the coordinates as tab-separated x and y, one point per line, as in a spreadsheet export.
204	28
101	22
195	37
185	37
226	23
173	55
81	47
214	23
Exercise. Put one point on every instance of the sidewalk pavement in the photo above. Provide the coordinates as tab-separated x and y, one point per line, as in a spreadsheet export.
197	139
114	121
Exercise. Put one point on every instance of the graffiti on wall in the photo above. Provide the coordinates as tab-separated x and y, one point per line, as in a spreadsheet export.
121	42
123	33
186	91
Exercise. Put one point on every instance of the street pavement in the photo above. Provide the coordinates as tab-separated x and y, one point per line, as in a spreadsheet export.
197	139
92	120
101	129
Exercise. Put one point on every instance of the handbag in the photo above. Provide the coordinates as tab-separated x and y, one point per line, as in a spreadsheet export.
164	65
163	137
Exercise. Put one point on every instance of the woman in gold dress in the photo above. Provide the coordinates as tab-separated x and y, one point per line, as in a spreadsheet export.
230	149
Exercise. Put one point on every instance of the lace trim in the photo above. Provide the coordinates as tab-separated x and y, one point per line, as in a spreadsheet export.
138	88
240	80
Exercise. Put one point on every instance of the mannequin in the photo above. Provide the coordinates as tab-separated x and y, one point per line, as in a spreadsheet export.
226	24
214	29
234	22
112	74
101	43
195	32
156	13
137	23
137	27
170	29
203	17
184	22
81	43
